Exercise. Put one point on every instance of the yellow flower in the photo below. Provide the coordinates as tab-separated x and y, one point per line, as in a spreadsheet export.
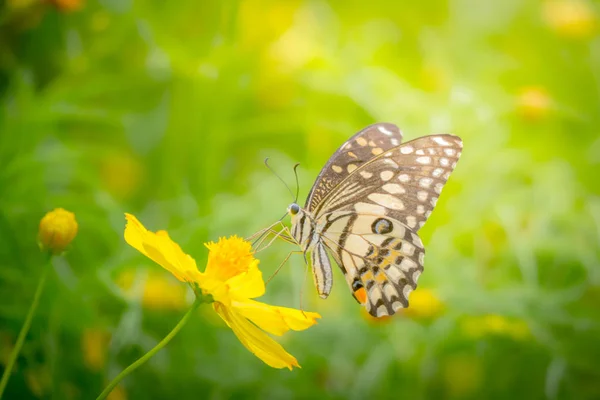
57	230
571	18
495	325
534	103
425	304
233	279
94	344
160	292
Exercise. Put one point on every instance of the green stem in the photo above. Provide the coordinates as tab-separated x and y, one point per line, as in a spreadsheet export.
199	300
26	325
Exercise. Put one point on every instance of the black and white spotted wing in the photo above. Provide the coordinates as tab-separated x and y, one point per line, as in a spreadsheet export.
365	210
381	258
403	183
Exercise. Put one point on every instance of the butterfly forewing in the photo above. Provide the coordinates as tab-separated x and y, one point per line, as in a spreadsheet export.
356	151
403	183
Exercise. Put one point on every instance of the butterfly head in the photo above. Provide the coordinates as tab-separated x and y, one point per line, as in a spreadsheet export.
293	209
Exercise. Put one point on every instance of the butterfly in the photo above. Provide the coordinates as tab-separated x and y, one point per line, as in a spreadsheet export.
365	210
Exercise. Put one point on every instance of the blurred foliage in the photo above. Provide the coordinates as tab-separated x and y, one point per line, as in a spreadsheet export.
167	110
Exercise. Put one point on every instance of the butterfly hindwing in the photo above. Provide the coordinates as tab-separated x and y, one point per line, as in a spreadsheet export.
359	149
381	259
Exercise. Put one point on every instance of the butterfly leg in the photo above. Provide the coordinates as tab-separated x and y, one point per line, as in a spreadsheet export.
262	232
282	264
284	234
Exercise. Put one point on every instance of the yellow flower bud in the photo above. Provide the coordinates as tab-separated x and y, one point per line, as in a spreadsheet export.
57	230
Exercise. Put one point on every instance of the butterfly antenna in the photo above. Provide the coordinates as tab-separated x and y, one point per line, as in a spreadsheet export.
279	177
297	183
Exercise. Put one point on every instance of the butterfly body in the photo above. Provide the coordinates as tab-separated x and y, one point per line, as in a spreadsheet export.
365	209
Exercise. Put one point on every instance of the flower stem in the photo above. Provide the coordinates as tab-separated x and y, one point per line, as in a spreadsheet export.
26	325
199	300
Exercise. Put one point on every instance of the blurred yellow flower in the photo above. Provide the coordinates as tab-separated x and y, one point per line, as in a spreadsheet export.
233	279
424	303
94	343
67	5
38	380
57	230
118	393
121	173
570	18
160	292
493	324
533	103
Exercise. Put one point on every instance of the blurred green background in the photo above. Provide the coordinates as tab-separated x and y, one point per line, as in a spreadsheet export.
167	110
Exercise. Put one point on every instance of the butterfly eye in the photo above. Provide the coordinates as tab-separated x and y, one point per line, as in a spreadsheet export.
294	209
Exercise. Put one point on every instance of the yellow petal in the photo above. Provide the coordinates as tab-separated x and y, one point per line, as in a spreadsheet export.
255	340
161	249
275	320
249	284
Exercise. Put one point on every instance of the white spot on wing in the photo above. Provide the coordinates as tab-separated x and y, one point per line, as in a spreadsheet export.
386	175
404	178
406	149
393	188
406	291
437	172
386	200
422	195
411	221
425	182
365	174
384	130
417	240
417	274
394	142
438	187
408	248
336	168
441	141
382	311
423	160
450	152
350	168
368	208
444	162
390	162
420	152
361	141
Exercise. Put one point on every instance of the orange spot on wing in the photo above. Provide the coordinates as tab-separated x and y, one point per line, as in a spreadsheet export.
361	295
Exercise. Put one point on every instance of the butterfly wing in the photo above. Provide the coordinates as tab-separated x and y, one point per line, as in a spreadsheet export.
403	183
359	149
371	217
381	258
